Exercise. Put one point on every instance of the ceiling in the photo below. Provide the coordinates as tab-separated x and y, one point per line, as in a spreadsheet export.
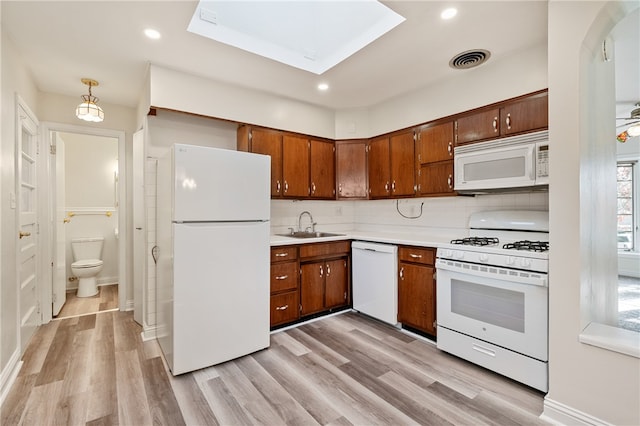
62	42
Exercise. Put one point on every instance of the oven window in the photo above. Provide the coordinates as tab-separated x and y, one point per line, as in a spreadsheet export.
492	305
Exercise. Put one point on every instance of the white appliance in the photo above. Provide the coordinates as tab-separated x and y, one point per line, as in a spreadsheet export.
212	293
492	304
375	280
517	162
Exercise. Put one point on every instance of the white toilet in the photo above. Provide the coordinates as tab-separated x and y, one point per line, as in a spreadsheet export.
87	254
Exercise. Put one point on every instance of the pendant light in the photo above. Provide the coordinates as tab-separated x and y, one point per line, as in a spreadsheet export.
89	110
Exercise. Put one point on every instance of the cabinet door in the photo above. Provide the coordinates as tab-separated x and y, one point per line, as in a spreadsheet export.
379	172
402	164
336	283
312	287
479	126
416	297
323	177
526	115
435	178
435	143
269	142
351	169
295	166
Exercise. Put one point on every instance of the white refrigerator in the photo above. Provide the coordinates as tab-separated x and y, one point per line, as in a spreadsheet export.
212	283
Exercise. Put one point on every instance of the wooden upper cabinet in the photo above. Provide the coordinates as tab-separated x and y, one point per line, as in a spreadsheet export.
351	169
379	168
526	115
323	175
402	168
295	166
479	126
435	143
269	142
521	115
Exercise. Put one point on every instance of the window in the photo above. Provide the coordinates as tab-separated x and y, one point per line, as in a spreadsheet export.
626	210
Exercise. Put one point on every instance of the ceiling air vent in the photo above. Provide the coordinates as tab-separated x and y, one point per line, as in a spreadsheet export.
469	59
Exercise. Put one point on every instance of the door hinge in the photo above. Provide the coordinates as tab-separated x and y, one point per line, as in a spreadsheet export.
37	307
300	307
435	324
250	135
345	295
52	149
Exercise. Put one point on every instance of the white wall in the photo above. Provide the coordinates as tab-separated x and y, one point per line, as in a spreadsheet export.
90	166
16	80
585	382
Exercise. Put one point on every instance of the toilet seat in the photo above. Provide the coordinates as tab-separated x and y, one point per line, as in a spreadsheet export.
87	263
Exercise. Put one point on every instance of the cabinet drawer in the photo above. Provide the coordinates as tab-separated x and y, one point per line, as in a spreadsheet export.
284	308
284	276
325	249
421	255
283	254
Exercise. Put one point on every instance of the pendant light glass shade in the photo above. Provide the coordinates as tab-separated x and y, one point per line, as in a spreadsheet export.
89	110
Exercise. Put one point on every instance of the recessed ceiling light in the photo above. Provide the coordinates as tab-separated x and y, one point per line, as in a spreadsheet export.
323	87
152	34
449	13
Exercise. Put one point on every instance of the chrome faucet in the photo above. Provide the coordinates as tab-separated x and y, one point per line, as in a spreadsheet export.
313	224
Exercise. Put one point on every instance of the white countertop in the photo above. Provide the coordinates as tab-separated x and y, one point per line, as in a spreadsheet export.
400	238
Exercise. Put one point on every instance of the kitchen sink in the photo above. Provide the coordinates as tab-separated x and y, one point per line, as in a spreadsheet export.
304	234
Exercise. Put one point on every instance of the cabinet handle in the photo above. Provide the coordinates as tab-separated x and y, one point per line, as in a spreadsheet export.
22	234
313	188
393	186
282	308
328	271
386	187
286	186
450	148
508	121
282	277
495	124
415	256
278	186
402	273
282	254
321	271
450	182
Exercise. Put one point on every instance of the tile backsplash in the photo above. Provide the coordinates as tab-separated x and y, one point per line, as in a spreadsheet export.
421	215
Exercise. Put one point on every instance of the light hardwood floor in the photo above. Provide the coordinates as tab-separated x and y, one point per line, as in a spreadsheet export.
106	299
341	370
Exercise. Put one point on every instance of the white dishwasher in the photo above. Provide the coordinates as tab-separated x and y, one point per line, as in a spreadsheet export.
375	280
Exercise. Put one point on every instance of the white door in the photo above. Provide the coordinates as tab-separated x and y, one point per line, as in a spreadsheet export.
26	190
59	238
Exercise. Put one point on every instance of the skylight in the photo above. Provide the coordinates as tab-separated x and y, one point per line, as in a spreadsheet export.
313	35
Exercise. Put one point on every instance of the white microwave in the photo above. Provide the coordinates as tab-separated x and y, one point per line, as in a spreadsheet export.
514	163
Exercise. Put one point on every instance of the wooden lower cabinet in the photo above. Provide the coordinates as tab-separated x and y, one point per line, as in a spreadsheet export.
417	288
308	279
285	295
324	278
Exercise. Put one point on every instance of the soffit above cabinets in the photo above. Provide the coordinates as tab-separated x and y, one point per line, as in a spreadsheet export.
310	35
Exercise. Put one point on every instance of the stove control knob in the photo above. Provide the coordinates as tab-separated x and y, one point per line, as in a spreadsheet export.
458	254
525	263
511	261
446	253
484	257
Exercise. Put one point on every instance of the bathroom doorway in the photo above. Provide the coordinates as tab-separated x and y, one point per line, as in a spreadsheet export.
86	167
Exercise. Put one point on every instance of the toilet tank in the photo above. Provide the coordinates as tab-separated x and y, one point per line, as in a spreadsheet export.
87	248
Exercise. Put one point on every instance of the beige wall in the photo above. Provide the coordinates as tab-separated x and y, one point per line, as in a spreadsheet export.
585	382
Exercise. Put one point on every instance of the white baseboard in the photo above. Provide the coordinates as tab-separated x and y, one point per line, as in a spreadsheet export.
9	374
148	333
561	414
128	305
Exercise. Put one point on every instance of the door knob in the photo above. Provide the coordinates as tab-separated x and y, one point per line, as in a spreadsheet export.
24	234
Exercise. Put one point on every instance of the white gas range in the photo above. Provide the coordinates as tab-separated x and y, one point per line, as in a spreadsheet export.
492	290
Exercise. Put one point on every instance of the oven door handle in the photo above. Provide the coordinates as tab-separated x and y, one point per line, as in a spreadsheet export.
493	272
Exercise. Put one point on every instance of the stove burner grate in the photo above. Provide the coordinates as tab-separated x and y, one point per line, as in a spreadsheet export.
527	245
476	241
